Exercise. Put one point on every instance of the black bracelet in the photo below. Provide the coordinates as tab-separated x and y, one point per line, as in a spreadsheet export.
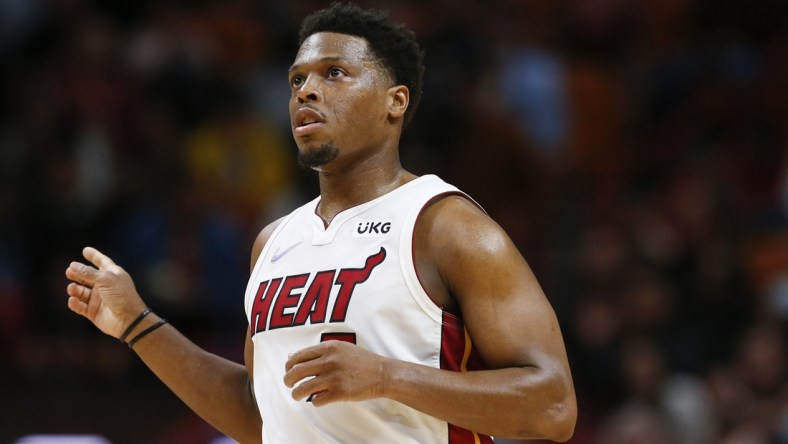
134	324
146	331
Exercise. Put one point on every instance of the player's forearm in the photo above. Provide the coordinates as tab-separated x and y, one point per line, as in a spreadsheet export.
515	402
217	389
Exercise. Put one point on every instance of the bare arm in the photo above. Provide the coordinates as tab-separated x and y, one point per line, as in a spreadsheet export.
218	390
527	394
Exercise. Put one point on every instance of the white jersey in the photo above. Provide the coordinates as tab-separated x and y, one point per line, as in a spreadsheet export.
353	280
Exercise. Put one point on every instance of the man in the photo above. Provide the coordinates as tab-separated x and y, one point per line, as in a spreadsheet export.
390	309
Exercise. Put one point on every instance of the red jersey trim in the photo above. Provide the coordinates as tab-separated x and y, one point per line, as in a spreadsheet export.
458	354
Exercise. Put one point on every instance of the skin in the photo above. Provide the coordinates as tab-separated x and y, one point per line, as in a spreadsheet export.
528	392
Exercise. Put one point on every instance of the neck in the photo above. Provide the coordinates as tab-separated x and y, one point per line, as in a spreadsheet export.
340	191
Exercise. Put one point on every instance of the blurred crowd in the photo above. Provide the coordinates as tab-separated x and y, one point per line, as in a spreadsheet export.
634	150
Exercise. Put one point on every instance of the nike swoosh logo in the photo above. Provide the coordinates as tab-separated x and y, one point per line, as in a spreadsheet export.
279	253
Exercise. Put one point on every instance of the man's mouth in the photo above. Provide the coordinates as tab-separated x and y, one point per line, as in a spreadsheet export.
306	117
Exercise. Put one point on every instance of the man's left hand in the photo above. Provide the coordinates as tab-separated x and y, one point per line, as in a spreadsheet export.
339	371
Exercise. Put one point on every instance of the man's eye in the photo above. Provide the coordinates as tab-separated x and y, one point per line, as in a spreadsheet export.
296	81
335	72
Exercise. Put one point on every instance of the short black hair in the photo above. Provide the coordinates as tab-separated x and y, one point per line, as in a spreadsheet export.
393	44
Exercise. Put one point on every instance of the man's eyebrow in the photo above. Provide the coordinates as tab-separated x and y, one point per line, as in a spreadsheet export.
321	60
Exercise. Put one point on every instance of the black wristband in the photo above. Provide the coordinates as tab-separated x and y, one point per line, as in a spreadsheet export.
133	324
145	332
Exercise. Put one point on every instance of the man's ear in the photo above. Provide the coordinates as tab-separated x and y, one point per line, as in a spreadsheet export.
398	99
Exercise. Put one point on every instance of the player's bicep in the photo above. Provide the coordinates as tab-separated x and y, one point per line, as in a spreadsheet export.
503	306
510	319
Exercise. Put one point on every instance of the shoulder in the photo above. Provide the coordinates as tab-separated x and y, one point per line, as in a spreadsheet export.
262	239
456	246
455	223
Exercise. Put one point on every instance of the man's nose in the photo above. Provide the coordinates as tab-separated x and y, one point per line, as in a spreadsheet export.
309	91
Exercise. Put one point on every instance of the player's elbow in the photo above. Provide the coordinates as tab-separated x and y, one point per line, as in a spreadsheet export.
555	415
557	422
562	417
561	412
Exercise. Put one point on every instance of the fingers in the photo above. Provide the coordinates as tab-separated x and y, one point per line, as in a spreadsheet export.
98	258
313	385
79	292
315	373
300	371
324	397
87	275
306	363
312	390
78	298
334	371
77	306
304	368
304	355
82	274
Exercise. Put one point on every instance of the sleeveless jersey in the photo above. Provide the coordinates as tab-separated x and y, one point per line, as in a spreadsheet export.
355	281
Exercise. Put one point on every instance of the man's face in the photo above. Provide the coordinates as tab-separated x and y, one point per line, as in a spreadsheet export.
338	103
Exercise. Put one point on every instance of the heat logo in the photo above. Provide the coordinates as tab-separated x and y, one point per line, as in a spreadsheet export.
312	298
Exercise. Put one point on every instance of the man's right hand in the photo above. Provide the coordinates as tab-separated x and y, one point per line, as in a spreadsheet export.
105	294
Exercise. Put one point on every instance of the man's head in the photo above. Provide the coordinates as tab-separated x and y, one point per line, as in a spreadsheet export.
393	44
355	83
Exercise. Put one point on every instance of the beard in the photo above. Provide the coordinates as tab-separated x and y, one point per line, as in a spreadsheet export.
314	159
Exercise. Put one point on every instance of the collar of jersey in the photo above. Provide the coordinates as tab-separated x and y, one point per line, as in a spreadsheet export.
325	234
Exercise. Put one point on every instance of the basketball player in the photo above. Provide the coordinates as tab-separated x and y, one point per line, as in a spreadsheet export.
390	309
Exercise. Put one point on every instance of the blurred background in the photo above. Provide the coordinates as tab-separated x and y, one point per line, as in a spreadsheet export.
634	150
